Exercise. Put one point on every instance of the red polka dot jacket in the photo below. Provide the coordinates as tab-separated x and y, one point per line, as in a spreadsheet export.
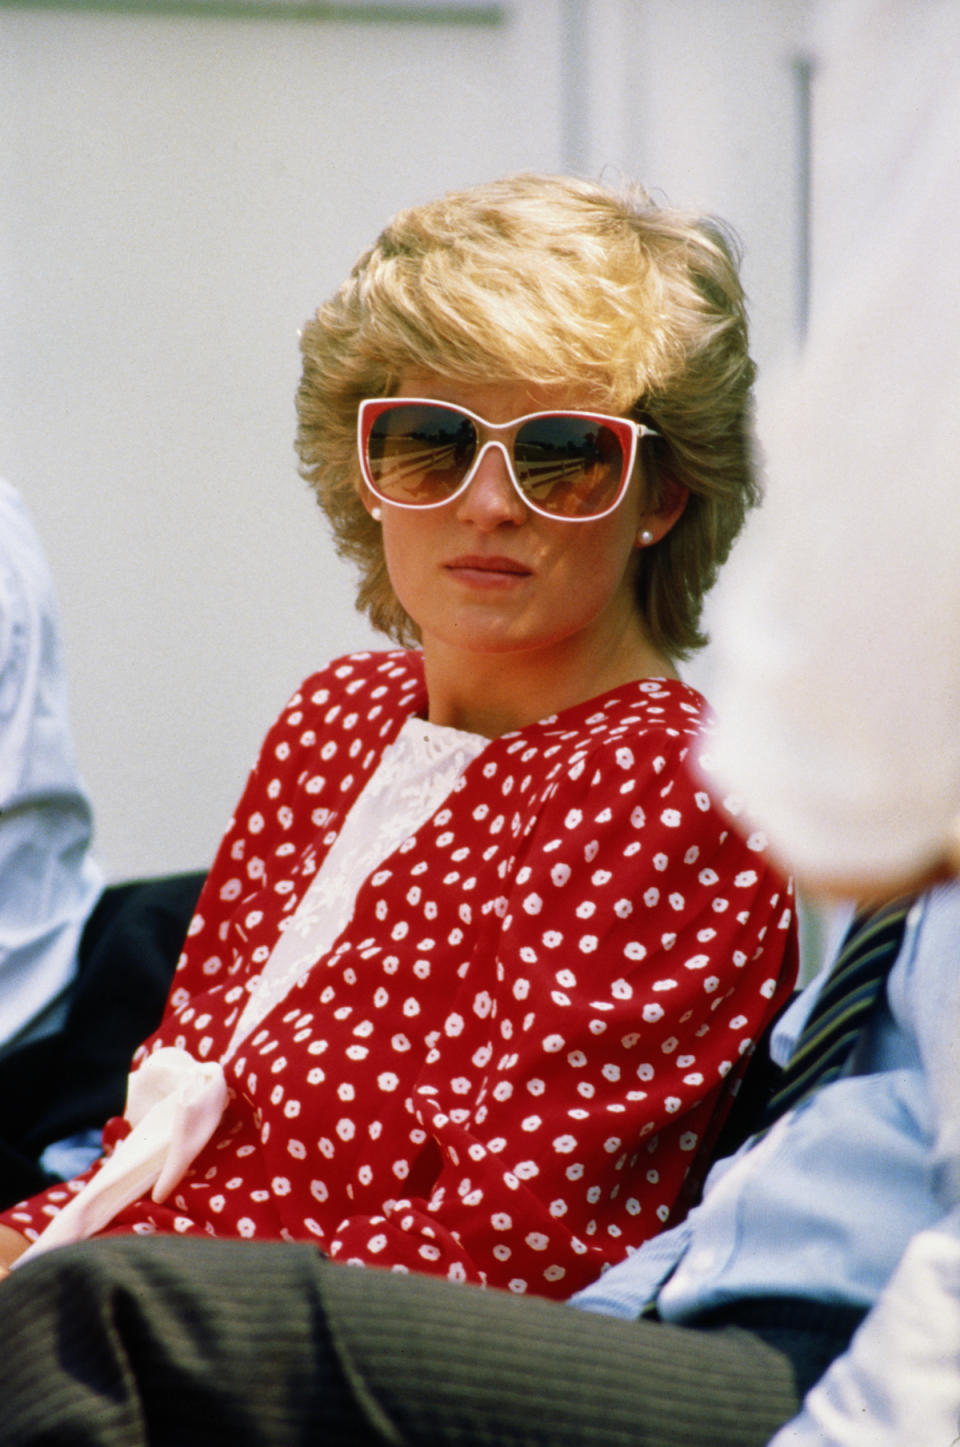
503	1069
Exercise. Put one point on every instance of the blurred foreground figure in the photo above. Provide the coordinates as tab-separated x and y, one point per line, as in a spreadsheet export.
838	677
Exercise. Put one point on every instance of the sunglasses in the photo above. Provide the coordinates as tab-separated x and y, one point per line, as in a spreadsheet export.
572	465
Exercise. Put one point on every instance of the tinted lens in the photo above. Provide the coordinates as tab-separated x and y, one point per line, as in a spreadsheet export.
571	466
419	455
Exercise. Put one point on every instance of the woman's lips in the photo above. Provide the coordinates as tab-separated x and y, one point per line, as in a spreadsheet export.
484	571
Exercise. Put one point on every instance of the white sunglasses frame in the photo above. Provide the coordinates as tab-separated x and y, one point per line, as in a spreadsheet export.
636	430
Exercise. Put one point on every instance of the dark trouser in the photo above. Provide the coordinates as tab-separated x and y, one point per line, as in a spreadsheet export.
170	1342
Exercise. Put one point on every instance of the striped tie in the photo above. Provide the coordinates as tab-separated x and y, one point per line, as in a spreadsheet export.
871	945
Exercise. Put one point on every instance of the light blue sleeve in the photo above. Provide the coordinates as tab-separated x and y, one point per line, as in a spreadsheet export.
625	1289
49	882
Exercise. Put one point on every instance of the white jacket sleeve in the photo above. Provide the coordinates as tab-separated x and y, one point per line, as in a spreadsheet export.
898	1385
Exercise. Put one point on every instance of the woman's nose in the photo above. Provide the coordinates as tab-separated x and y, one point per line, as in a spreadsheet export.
491	497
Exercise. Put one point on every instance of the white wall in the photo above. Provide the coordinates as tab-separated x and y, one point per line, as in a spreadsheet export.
176	195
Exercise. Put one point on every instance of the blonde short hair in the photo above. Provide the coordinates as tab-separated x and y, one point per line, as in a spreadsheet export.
547	279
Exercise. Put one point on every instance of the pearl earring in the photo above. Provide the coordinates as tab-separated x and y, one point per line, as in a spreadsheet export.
377	514
646	538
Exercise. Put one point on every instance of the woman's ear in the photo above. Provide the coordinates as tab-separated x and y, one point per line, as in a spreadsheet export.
657	521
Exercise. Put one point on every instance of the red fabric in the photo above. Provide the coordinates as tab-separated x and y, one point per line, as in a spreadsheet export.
503	1070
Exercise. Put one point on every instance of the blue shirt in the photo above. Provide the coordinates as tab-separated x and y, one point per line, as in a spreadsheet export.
824	1205
49	882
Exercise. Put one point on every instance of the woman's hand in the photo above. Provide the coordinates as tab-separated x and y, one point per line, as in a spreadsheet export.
12	1245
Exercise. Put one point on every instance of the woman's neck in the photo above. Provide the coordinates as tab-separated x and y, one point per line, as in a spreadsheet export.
494	693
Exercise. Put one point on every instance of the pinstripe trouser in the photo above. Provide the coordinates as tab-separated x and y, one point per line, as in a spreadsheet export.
173	1342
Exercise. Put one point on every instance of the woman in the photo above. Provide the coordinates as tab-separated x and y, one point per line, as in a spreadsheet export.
479	953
